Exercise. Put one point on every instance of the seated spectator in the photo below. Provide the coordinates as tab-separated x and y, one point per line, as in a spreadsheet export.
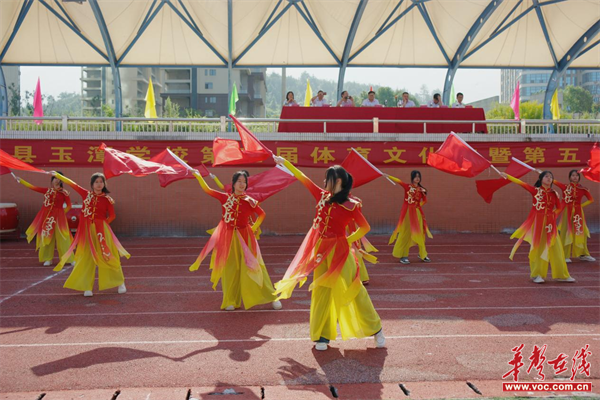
319	99
370	101
405	102
459	103
346	101
436	102
289	100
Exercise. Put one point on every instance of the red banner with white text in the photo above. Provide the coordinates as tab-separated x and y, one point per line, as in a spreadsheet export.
85	153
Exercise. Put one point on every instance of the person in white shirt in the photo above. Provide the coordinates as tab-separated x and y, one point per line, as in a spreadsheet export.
346	101
319	99
436	102
405	102
371	101
289	99
459	103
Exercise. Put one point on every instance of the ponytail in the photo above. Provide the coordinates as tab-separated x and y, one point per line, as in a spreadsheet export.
332	174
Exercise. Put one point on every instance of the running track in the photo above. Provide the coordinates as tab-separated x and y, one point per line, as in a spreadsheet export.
447	323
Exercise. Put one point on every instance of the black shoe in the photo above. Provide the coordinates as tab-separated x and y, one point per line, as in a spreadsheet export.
426	259
404	260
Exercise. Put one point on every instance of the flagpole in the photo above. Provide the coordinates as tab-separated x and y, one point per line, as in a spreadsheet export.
180	161
522	163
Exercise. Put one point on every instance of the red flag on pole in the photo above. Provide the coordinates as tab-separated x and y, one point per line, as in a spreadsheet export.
487	188
456	157
165	157
118	162
360	168
592	172
266	184
229	152
8	161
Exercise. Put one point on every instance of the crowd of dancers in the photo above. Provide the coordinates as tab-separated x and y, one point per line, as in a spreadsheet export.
333	251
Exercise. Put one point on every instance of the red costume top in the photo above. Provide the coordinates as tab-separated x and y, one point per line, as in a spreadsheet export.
51	215
327	235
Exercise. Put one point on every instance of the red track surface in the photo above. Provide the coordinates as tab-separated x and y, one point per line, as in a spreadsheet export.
448	322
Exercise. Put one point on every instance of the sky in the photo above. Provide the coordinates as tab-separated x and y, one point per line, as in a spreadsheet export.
475	84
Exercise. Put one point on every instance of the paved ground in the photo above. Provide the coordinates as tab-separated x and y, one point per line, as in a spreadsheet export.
447	323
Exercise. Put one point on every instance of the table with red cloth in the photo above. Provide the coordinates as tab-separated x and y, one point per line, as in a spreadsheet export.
392	113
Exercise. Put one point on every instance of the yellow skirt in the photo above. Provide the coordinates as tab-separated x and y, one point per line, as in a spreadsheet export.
110	274
237	285
409	237
331	305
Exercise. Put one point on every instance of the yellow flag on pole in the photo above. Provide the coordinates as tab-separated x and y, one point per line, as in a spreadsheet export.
554	107
308	94
150	111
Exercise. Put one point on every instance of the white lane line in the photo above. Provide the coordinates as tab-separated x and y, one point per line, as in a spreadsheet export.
530	308
302	339
32	285
198	276
130	292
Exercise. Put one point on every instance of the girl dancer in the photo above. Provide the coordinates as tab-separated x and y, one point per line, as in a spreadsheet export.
338	294
50	226
573	227
96	243
539	230
412	227
236	259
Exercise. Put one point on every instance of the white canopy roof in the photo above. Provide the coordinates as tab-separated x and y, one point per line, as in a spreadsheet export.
416	33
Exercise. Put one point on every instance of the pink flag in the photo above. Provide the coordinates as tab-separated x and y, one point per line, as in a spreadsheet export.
38	108
514	103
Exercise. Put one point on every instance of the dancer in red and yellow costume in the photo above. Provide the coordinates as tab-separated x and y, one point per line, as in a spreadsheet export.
539	230
338	295
236	260
50	227
412	227
96	243
573	228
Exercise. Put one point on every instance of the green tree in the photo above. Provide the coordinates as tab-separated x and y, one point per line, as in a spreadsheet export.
191	113
386	96
577	100
14	107
531	110
107	111
500	111
171	110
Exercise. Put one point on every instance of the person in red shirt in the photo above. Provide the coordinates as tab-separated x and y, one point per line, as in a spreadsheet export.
338	295
236	260
539	230
573	228
96	243
50	227
412	228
